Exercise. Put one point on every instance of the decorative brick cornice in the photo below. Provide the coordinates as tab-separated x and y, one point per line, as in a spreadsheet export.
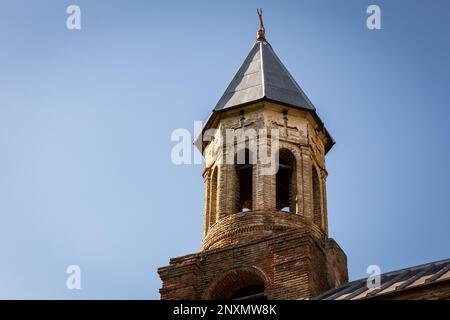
249	226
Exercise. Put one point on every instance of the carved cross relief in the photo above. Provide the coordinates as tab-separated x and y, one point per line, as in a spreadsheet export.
286	129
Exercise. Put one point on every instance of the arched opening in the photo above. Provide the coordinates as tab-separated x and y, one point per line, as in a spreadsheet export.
286	182
317	197
213	199
249	292
243	284
244	185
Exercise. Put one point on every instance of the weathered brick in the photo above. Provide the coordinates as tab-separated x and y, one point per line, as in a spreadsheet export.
288	253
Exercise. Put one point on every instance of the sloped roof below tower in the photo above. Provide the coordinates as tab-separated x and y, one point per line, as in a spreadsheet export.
263	75
397	283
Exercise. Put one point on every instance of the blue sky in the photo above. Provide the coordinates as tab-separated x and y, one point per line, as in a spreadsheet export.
86	117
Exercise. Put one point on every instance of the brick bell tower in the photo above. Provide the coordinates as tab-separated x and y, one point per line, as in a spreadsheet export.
265	235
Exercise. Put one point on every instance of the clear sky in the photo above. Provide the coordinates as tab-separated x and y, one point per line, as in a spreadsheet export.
86	116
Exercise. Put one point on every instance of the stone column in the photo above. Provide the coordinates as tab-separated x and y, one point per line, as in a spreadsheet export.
264	185
206	203
324	204
307	183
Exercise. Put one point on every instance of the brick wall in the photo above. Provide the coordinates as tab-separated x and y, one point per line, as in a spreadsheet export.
292	265
288	253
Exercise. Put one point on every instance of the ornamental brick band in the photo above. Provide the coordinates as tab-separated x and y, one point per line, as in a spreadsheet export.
245	227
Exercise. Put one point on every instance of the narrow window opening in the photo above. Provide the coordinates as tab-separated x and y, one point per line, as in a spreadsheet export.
286	182
245	184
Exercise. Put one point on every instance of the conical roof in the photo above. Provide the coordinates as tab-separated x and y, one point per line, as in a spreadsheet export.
263	75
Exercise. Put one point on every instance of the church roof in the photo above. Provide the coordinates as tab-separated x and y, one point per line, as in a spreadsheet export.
392	282
263	75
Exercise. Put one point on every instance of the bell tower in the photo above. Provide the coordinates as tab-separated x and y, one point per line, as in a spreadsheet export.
265	230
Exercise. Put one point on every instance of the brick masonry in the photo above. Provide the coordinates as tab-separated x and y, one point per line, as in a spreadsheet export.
288	253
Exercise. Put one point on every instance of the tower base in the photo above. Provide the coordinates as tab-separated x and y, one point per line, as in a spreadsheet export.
291	265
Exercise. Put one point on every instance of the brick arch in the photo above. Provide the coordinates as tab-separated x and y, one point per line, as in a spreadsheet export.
291	147
235	280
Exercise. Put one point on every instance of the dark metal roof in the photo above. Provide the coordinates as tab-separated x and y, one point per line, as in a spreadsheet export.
263	75
391	282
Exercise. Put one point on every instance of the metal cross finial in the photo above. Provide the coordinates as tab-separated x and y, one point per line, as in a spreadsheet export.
261	23
260	35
